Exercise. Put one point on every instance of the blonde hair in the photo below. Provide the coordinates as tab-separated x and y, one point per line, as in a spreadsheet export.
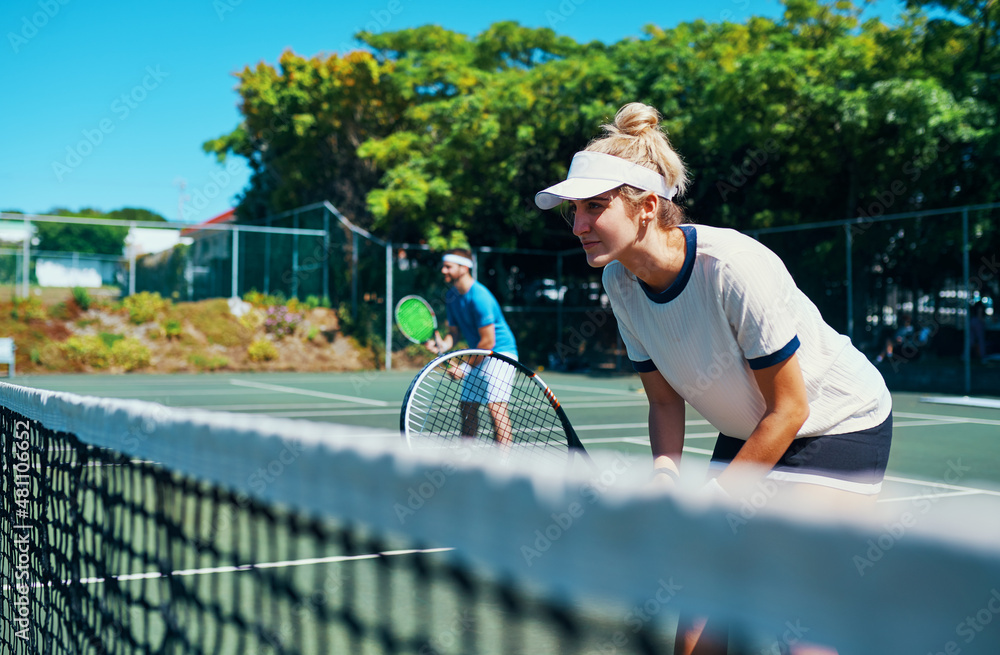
636	136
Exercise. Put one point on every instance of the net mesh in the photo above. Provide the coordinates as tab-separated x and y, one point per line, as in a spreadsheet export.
129	528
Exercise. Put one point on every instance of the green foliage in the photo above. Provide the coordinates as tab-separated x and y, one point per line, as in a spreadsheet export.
262	350
437	136
82	298
28	309
172	328
208	362
109	339
95	239
130	354
144	306
362	328
88	350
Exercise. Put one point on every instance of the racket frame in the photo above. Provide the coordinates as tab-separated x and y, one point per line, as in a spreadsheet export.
436	334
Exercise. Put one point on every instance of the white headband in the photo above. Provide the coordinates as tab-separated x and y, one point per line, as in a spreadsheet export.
458	259
593	173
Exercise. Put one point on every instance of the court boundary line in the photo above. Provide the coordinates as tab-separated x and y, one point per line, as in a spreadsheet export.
307	392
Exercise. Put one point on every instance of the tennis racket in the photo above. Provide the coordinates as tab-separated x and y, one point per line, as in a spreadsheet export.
417	321
479	398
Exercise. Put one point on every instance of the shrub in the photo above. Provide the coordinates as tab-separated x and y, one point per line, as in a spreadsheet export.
207	363
172	328
262	350
88	351
130	354
144	306
281	321
27	309
110	339
82	298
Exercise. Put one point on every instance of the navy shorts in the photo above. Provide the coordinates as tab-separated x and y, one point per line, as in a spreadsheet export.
854	461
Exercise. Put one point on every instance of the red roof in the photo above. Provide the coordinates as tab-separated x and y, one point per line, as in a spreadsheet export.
225	217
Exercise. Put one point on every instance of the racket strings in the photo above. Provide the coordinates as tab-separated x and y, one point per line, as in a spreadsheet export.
415	320
492	403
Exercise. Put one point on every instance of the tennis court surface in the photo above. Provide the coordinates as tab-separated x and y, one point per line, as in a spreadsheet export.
145	528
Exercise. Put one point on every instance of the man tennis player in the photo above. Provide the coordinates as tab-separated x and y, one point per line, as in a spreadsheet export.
475	315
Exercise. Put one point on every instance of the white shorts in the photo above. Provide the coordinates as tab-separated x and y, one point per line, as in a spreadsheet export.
490	382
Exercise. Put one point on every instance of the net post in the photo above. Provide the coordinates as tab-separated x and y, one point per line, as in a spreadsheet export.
388	305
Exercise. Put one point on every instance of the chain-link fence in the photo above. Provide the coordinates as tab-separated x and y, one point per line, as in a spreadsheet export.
914	291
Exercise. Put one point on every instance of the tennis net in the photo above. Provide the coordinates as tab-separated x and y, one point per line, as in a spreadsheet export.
132	528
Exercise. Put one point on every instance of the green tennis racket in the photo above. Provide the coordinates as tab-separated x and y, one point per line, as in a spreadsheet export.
417	322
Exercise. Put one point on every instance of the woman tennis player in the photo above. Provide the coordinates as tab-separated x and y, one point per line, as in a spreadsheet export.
712	317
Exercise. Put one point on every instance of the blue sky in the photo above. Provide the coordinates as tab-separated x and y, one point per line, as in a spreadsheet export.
106	104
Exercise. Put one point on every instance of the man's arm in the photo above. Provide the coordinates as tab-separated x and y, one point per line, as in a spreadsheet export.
487	337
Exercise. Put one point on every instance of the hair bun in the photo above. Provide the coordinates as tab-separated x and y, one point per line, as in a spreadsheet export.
635	118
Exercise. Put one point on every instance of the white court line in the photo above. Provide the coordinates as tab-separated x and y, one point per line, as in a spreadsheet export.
611	403
942	485
951	419
128	577
307	392
943	494
962	401
622	426
334	412
598	390
921	424
644	439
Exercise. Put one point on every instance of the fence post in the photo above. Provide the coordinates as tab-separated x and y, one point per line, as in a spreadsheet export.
236	262
295	256
131	262
559	297
354	275
267	258
849	247
388	306
967	347
26	259
326	254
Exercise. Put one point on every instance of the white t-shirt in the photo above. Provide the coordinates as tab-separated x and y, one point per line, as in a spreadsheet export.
734	308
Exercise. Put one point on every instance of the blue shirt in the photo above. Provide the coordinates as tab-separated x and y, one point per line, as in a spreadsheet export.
475	309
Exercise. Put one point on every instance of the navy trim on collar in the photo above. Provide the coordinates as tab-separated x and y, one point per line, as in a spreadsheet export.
675	288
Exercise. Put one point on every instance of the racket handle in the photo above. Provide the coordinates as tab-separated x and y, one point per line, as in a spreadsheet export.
438	342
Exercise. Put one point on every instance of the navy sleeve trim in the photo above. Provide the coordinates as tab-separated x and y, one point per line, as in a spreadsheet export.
646	366
778	357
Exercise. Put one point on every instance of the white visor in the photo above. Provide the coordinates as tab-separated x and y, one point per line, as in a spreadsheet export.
593	173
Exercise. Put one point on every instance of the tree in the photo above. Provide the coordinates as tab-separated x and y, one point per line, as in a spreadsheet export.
91	239
302	126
